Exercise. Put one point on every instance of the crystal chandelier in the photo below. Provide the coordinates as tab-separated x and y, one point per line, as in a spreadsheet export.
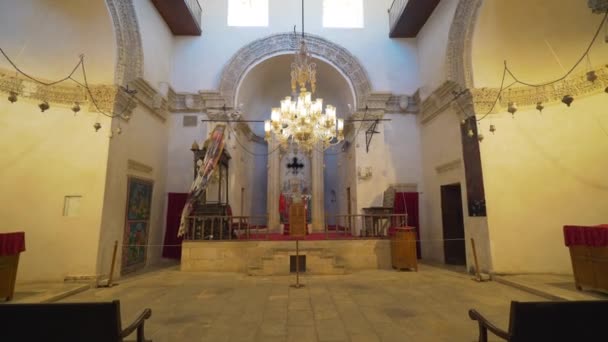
302	121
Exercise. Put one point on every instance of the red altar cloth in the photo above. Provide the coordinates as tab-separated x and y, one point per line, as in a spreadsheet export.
586	236
12	243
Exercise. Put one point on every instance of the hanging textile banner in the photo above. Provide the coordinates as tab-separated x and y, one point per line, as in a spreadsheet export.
215	147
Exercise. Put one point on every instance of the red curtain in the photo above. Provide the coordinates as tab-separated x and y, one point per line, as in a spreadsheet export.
407	203
176	203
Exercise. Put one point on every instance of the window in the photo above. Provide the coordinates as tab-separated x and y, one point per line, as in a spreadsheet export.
343	13
247	12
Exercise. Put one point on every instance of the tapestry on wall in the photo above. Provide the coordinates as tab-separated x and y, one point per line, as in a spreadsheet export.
137	224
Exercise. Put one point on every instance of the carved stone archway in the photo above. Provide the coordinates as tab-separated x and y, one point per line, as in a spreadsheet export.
459	60
130	56
282	43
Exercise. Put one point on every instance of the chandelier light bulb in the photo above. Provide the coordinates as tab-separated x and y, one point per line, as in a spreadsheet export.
12	97
44	106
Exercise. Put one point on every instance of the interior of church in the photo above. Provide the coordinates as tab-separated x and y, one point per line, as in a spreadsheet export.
304	170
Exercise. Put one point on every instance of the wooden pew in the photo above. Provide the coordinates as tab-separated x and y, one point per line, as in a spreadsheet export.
550	321
67	322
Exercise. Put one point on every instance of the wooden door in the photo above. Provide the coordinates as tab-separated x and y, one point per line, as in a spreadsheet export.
453	225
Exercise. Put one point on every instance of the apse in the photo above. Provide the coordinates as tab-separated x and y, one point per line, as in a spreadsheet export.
263	88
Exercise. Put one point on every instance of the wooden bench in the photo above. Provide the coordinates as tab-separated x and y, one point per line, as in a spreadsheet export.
67	322
550	321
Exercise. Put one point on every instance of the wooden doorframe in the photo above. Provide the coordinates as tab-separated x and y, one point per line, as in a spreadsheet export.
452	216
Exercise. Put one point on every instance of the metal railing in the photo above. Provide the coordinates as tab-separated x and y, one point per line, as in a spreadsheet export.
395	12
247	228
196	10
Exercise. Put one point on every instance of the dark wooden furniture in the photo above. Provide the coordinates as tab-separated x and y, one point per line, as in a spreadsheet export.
68	322
377	220
403	248
414	14
11	245
550	321
212	222
297	220
589	254
182	16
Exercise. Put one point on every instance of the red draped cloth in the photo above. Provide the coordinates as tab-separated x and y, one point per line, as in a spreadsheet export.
175	206
12	243
586	236
407	203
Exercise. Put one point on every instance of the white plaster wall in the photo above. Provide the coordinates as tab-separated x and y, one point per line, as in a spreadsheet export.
180	168
45	157
198	61
144	140
432	42
544	171
394	156
39	34
157	43
441	145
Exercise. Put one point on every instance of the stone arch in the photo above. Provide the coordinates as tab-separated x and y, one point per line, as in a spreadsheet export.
264	48
129	59
459	61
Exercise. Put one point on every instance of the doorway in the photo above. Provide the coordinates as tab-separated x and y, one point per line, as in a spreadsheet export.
453	225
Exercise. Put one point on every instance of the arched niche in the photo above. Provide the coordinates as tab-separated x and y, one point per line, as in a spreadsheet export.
263	49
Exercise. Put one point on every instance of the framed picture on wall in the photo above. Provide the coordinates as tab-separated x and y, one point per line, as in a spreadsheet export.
137	224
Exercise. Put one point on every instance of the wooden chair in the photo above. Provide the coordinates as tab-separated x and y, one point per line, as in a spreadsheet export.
67	322
550	321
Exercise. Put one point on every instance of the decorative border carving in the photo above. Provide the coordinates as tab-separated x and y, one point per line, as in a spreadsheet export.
438	101
130	56
151	98
598	6
260	49
137	166
459	62
453	165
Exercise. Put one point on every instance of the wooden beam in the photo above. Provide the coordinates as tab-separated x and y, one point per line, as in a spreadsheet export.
415	14
182	16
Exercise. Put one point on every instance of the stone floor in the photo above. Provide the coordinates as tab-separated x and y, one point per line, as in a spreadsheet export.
430	305
45	292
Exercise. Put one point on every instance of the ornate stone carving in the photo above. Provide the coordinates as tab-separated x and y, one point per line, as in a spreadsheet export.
439	100
129	61
458	59
598	6
264	48
150	98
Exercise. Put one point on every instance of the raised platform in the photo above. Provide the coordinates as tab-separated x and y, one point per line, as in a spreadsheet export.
272	257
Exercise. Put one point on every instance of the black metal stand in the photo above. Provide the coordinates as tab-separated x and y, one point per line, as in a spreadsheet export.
297	285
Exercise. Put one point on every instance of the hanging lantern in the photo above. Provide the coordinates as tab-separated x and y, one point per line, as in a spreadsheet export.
568	99
12	97
512	108
97	126
126	117
591	76
470	133
606	90
76	108
44	106
118	130
480	137
539	106
492	129
464	121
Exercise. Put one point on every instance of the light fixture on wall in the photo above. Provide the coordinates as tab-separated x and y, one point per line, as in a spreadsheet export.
302	120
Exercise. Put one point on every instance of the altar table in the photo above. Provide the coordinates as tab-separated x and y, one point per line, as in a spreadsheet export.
11	245
589	253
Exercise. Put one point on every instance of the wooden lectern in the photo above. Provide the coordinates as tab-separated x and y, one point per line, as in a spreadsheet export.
297	220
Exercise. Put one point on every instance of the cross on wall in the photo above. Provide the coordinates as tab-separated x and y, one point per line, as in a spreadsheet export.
295	166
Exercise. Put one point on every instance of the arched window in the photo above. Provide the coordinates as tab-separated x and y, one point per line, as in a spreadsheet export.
247	12
343	13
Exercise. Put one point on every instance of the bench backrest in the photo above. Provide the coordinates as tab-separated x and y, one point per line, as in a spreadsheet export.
91	322
559	321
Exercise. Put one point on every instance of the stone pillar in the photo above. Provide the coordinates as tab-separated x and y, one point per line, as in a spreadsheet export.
274	189
318	192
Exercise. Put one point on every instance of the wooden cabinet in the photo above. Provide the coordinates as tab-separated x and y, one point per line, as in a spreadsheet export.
297	220
590	267
403	249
